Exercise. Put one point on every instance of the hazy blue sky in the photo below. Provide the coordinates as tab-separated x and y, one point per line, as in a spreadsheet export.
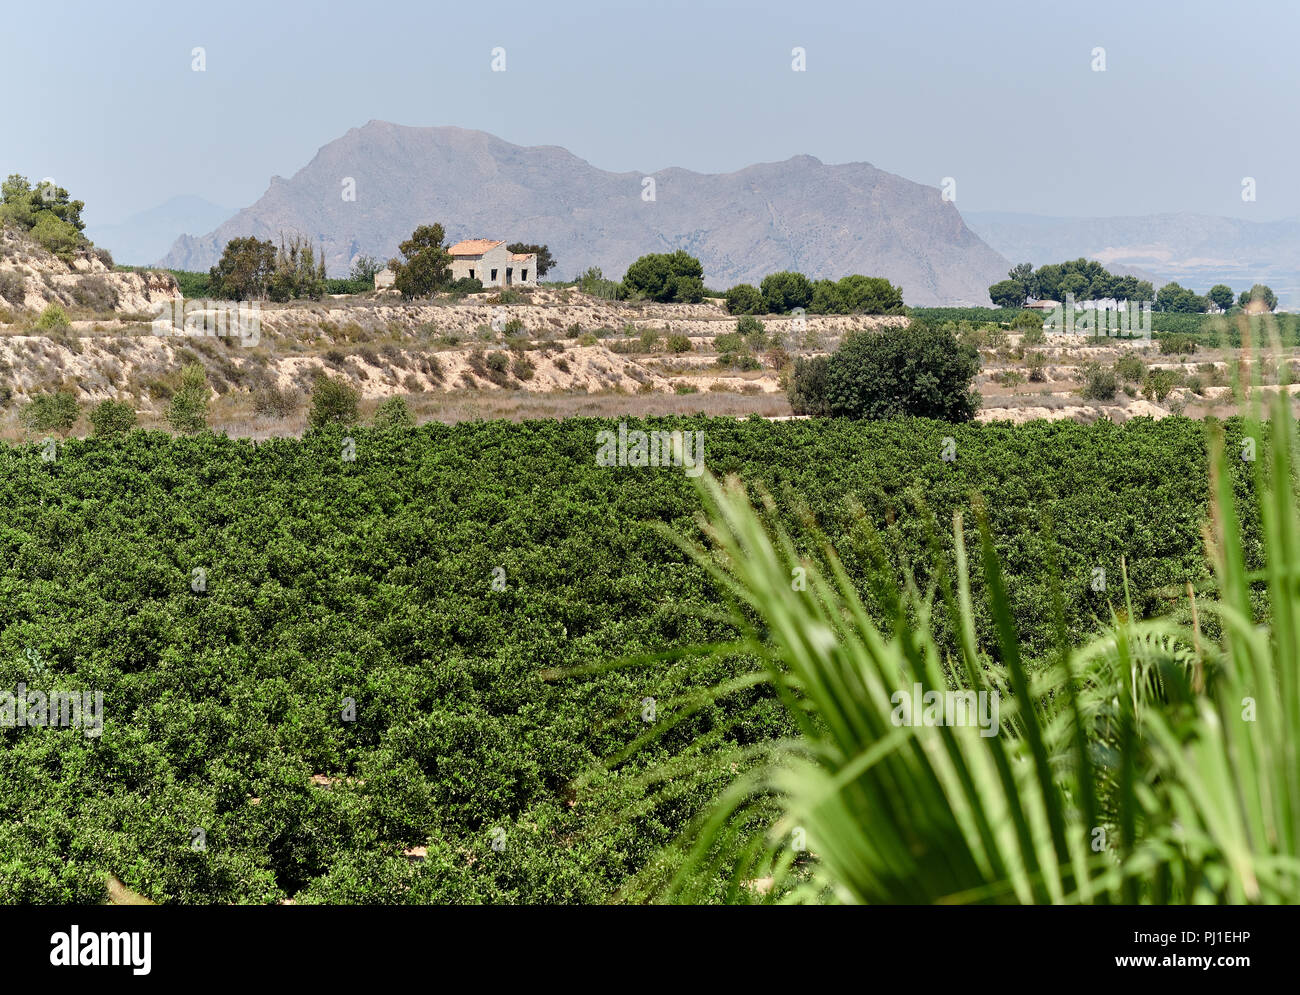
999	95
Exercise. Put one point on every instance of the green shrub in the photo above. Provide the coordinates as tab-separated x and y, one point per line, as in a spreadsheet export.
594	283
329	580
393	413
431	367
1158	384
111	417
751	328
587	339
188	411
349	286
677	342
918	370
12	287
53	319
739	361
1172	344
729	342
1030	324
1036	367
1130	367
1099	383
275	401
94	292
807	389
333	402
56	411
1033	336
523	368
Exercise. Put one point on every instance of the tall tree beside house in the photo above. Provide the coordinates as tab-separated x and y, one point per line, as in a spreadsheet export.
1023	273
364	269
428	263
545	261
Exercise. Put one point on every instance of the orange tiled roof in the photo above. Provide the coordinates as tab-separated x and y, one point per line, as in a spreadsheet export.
521	256
474	247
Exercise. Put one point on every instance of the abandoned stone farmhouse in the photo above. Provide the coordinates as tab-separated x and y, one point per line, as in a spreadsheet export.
492	264
482	259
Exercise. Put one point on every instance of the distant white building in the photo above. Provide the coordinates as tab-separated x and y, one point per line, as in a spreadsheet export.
385	279
492	264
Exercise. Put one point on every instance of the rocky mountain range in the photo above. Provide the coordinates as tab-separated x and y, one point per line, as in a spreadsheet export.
801	214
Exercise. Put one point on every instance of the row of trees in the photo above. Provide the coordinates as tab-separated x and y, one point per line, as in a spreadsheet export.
252	269
781	293
678	277
1087	280
1178	299
333	402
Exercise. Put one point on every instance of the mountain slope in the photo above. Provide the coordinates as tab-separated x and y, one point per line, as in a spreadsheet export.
826	221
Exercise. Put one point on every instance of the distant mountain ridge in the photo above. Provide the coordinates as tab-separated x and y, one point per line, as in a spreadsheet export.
143	237
801	214
1195	250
